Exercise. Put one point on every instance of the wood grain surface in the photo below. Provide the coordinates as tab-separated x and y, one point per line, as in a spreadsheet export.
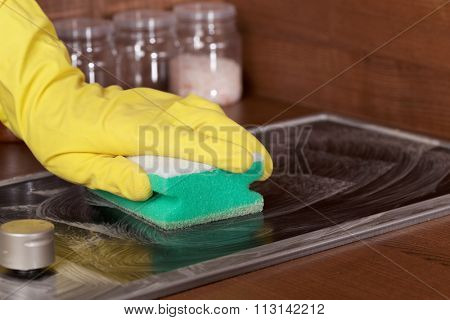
58	9
293	47
413	263
6	135
17	160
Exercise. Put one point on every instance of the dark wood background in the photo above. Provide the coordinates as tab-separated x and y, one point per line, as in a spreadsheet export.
292	47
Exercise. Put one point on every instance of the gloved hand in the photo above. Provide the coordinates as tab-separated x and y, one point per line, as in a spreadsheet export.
82	132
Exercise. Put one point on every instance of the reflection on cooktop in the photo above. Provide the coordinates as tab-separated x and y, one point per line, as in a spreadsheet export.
340	173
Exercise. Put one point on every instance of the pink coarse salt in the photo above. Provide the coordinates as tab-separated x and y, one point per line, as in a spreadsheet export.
214	78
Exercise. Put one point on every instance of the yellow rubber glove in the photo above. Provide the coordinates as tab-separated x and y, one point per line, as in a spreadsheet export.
82	132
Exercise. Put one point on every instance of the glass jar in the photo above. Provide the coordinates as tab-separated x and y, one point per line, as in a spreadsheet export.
145	41
209	56
90	46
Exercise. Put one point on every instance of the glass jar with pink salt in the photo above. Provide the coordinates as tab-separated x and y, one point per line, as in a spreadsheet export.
208	62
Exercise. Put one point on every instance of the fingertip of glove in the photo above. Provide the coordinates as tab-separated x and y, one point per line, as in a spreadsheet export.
139	188
239	162
268	167
266	175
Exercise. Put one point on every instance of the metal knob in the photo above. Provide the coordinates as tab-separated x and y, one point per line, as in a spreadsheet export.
26	244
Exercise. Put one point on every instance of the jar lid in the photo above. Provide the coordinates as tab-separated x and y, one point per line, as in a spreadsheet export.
144	20
205	11
83	28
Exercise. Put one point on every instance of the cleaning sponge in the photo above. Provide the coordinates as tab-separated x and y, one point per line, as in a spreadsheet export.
187	193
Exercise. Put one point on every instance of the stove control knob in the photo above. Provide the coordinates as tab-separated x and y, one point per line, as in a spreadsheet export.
26	244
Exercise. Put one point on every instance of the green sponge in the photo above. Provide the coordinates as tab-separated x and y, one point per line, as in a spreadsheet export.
184	200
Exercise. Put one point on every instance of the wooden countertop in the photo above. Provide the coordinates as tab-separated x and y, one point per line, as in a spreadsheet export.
413	263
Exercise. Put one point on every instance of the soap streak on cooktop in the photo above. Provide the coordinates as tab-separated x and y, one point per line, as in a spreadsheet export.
356	177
